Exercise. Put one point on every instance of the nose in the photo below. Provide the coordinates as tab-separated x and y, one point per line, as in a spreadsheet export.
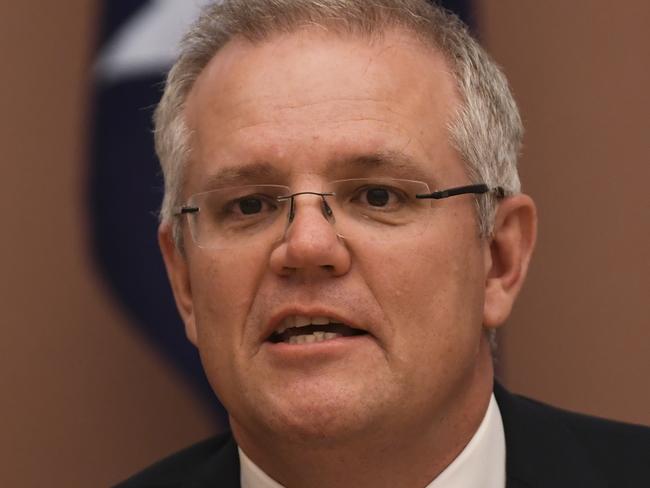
311	245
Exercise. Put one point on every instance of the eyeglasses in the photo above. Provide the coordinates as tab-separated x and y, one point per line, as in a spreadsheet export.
363	209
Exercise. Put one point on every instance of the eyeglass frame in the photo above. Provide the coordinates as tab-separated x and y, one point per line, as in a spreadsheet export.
476	189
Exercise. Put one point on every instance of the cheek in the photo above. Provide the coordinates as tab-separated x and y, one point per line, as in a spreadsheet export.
224	287
432	293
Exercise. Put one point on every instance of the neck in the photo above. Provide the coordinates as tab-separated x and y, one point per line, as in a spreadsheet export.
405	453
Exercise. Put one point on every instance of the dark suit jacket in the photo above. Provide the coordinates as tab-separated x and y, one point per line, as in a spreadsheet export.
545	447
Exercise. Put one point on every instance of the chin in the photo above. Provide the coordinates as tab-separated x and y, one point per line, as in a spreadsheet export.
320	416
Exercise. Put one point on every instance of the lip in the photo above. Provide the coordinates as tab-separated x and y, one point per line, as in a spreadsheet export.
278	317
305	356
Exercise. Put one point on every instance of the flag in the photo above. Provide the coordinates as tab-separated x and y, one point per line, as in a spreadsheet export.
138	42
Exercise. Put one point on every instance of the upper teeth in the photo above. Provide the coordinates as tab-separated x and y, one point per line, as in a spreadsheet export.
302	321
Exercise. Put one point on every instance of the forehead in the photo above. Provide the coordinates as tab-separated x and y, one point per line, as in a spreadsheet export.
300	101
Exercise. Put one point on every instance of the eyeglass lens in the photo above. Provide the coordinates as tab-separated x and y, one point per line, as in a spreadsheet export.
377	209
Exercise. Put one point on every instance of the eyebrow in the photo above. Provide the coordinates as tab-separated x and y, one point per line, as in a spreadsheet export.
389	163
247	174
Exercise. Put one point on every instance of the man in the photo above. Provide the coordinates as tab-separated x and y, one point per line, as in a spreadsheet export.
343	231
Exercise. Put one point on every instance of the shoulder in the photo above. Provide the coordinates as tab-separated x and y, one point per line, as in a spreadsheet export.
563	442
206	463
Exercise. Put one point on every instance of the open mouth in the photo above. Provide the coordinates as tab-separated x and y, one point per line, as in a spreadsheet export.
305	330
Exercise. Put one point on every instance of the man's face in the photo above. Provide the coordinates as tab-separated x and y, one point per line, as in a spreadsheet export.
298	106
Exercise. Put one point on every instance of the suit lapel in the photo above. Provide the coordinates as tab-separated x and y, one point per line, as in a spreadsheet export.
541	450
220	470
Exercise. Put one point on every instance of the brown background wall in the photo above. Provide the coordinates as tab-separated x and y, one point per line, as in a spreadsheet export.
85	402
580	335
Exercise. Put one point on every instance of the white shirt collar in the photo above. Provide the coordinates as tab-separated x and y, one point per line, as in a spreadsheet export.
251	476
482	463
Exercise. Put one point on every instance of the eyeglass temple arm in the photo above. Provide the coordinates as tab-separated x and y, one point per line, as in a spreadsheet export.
186	210
461	190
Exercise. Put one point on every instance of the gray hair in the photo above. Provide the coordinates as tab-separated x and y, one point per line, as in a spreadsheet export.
486	130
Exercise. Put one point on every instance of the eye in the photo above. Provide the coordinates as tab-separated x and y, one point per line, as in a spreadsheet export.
377	197
250	205
380	197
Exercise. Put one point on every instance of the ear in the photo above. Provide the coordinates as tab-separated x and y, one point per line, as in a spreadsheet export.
178	274
510	250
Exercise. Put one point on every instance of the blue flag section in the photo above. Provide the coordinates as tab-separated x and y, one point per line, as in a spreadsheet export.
126	185
137	43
